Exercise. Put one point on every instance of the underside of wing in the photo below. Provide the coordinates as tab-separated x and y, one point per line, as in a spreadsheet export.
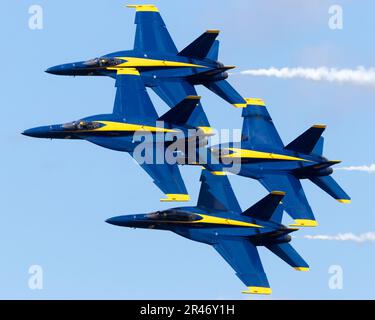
132	102
167	178
151	34
216	193
244	258
258	130
173	92
294	201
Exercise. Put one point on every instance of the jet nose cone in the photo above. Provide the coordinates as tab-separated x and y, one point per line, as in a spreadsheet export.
122	221
26	133
68	69
110	221
116	221
57	70
29	133
39	132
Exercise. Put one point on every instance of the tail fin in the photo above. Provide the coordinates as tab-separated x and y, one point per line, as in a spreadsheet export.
308	141
268	208
180	114
224	90
287	253
329	185
201	47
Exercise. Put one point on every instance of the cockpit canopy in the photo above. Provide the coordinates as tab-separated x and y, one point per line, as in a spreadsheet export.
103	62
81	125
173	215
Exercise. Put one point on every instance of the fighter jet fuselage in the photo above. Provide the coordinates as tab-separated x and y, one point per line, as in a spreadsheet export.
255	163
207	227
153	68
109	132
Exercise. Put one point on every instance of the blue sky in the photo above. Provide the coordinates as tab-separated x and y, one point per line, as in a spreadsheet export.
57	194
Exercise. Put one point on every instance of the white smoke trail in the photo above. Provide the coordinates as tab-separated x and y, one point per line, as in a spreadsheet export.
363	237
369	169
360	75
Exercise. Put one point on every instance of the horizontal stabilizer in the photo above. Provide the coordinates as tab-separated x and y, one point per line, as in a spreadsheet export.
329	185
224	90
265	208
307	141
287	253
294	201
201	46
181	113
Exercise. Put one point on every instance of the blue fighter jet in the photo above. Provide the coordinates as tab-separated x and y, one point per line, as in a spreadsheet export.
262	155
134	115
172	74
218	220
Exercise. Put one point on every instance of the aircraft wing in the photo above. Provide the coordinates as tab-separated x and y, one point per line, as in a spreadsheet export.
173	92
216	193
167	178
151	34
244	258
294	201
258	130
132	102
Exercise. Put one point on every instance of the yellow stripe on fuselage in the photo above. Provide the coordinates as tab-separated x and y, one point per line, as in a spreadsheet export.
119	126
125	127
132	62
252	154
206	219
224	221
127	71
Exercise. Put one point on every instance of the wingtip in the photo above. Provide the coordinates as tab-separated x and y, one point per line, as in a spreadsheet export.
193	97
304	223
319	126
303	269
279	193
218	173
176	198
255	102
258	290
239	105
207	131
344	200
143	7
